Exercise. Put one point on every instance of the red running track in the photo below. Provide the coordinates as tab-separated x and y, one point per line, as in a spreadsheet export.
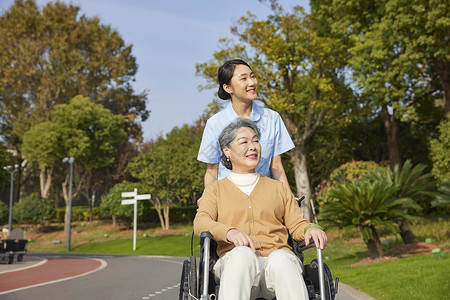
55	269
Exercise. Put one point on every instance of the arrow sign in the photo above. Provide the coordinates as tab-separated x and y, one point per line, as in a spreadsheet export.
129	194
143	197
134	201
128	201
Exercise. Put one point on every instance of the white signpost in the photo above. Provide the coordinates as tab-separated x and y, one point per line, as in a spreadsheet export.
134	201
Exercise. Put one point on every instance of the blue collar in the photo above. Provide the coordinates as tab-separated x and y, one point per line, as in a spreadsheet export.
257	111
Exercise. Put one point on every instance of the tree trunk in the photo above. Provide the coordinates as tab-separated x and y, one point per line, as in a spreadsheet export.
157	205
391	127
298	158
374	244
406	233
114	219
166	214
443	71
45	178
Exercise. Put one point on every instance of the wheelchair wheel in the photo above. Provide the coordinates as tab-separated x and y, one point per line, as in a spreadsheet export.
184	284
193	277
329	289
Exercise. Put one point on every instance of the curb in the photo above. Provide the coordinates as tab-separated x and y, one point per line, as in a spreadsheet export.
354	292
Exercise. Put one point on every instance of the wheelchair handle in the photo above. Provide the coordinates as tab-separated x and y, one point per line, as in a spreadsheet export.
302	245
205	240
203	235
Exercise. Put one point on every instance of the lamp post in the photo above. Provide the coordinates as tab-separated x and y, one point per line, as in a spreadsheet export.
69	160
11	194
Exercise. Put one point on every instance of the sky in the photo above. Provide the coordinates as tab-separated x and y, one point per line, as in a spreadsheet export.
169	38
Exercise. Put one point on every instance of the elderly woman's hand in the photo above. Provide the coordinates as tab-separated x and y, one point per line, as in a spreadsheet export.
319	236
239	238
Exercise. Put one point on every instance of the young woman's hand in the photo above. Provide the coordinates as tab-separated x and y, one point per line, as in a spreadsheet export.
239	238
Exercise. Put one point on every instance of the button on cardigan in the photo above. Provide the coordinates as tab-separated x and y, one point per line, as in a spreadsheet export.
266	215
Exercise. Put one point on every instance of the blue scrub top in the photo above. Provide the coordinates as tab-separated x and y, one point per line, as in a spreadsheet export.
274	140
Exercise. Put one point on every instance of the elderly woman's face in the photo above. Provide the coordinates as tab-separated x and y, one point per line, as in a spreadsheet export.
244	151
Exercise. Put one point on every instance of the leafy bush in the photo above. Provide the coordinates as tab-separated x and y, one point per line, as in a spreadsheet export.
4	213
34	209
439	149
79	214
349	172
112	207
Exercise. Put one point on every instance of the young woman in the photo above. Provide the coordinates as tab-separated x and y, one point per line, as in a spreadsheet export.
250	217
238	84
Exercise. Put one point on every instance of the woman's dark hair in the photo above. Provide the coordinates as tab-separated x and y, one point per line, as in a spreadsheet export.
225	74
229	133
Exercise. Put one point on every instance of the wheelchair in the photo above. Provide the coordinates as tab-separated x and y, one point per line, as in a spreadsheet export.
202	284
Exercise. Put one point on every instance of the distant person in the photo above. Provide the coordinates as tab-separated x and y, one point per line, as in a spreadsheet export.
250	217
238	84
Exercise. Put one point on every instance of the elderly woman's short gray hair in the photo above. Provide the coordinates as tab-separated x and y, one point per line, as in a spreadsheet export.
229	133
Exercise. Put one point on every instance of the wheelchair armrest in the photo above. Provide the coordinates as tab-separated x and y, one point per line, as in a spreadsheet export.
302	247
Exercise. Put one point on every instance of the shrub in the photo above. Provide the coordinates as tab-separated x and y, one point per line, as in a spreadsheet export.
4	213
79	214
34	209
349	172
439	149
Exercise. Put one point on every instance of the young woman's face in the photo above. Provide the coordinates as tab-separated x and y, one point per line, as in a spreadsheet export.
243	85
244	151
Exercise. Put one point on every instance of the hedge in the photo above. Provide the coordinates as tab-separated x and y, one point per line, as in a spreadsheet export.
177	214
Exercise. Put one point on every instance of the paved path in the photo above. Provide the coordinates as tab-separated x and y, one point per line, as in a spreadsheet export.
59	277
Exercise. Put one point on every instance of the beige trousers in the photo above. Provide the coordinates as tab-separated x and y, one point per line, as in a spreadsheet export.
244	276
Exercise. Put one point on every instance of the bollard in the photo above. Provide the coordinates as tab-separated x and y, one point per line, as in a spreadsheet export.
437	253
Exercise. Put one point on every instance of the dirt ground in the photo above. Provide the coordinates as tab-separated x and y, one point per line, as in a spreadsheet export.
419	247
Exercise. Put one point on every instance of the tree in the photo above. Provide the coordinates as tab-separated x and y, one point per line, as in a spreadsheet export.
439	152
366	206
391	46
409	182
300	76
169	169
4	213
111	205
82	129
34	209
49	55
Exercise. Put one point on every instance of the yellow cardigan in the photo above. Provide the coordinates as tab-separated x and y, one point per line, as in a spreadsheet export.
265	215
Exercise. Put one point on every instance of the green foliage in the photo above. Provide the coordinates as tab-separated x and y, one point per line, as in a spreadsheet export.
49	55
367	206
34	209
79	214
349	172
392	45
82	129
4	213
442	199
365	203
112	203
178	215
410	182
440	149
5	160
169	167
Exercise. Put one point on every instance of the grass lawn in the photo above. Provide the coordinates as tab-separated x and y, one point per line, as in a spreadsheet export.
412	276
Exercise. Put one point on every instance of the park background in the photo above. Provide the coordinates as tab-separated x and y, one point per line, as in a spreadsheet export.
363	88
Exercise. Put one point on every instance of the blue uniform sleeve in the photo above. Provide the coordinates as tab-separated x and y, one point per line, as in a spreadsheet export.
209	151
282	141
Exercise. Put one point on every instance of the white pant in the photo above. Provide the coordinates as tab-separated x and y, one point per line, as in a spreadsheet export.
245	276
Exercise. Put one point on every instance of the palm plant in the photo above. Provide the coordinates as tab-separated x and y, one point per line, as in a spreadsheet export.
410	182
443	198
367	205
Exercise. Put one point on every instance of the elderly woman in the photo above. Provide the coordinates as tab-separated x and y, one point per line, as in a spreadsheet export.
250	215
